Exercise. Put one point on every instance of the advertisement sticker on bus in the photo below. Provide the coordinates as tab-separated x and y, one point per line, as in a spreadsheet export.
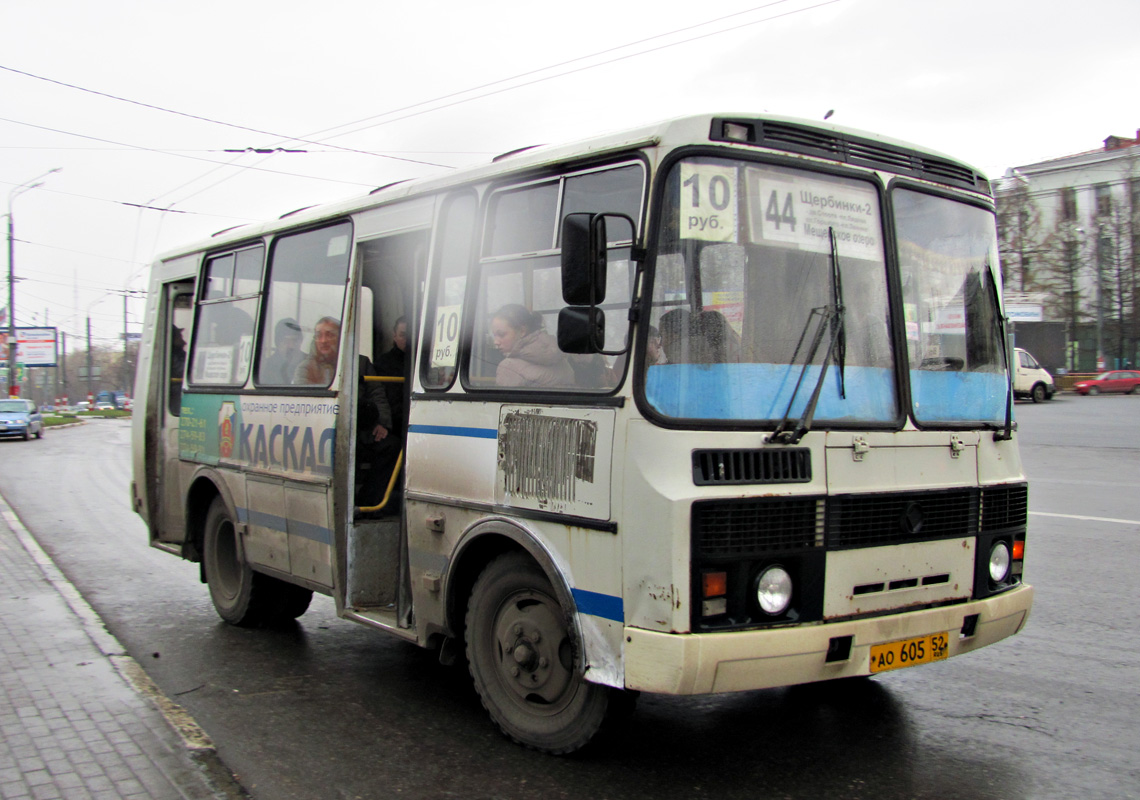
792	208
285	435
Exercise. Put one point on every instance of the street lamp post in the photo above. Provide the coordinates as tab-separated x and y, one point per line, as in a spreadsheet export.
13	389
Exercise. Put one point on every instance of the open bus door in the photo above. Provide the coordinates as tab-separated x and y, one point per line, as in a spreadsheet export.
178	312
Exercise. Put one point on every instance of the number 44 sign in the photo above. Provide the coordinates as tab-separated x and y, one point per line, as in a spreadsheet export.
708	202
795	209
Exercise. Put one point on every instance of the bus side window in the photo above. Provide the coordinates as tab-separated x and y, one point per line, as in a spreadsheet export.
223	341
453	255
308	273
180	315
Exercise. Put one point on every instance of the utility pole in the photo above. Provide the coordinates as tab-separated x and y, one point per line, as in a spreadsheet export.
63	361
126	364
90	394
13	388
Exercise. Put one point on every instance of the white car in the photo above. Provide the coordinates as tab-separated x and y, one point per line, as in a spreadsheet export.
1030	379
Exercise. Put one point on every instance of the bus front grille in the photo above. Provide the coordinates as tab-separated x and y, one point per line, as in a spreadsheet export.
872	520
735	528
1005	506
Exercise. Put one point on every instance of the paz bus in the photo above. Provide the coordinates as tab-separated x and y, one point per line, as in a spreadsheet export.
717	404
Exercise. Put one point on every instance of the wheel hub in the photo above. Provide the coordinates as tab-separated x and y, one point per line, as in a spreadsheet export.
530	635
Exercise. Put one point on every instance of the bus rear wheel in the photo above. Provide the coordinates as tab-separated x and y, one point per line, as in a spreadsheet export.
241	596
523	663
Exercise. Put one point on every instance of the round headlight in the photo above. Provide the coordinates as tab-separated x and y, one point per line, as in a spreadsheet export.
774	590
999	562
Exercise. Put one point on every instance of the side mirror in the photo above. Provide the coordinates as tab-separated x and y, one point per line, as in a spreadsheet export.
583	259
581	329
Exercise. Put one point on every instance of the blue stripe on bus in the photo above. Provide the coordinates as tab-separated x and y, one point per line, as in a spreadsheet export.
605	606
452	430
306	530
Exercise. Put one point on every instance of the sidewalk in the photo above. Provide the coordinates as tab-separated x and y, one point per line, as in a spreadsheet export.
79	718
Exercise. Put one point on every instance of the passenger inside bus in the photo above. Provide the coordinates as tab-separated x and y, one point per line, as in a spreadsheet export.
319	366
376	447
280	366
381	422
531	357
704	338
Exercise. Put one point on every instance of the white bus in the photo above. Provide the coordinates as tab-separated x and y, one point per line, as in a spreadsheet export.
718	404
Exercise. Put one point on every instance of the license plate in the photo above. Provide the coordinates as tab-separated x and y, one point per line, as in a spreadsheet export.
910	652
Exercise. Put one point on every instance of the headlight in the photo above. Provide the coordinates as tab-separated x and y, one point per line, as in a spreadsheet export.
999	562
774	590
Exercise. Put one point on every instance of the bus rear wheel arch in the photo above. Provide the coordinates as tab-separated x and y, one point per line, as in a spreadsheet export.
240	595
522	654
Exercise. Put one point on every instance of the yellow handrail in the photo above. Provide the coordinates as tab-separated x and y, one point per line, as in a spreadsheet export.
399	459
388	491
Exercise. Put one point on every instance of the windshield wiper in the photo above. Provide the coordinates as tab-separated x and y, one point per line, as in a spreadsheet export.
1006	433
832	317
840	320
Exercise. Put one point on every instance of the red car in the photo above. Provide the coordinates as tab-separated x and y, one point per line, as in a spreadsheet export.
1116	380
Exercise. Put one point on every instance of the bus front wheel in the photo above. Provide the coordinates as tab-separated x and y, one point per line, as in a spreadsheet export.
240	595
522	659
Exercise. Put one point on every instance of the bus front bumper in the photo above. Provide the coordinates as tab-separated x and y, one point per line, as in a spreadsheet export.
670	663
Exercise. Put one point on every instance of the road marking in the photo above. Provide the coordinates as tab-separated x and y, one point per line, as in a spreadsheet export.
1088	519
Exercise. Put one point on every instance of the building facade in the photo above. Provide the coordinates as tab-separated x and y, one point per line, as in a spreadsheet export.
1070	235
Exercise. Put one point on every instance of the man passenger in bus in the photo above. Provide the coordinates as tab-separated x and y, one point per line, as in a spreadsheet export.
280	366
531	357
318	368
393	364
383	445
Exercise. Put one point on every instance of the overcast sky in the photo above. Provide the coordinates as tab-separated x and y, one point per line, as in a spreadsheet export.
411	89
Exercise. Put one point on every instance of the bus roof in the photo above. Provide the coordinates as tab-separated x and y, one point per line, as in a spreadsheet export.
808	138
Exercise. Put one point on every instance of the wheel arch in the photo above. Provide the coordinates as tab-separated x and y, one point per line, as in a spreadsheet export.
205	485
485	541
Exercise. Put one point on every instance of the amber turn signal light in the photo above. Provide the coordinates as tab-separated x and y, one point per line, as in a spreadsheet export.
715	584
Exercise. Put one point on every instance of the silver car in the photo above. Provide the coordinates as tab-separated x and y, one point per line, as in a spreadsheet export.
19	417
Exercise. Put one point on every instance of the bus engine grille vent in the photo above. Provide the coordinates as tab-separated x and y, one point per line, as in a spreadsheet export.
1005	506
760	525
783	465
869	520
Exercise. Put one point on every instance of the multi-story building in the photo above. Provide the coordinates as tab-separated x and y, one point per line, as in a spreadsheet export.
1070	235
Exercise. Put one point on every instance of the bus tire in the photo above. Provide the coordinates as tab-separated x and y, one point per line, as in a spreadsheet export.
288	600
234	586
522	659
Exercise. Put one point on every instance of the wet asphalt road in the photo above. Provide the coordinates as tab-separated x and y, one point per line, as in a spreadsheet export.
329	709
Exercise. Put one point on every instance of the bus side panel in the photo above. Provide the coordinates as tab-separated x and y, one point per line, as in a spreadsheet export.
309	517
266	541
456	451
452	450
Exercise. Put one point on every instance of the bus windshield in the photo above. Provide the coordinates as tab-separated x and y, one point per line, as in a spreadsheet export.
947	254
765	276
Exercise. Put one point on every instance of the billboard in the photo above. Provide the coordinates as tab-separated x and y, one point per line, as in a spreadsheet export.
36	347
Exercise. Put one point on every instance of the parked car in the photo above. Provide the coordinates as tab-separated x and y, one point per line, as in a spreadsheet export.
1030	379
104	407
1115	380
19	417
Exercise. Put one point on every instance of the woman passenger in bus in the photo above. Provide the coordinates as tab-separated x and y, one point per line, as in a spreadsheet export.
531	357
318	368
